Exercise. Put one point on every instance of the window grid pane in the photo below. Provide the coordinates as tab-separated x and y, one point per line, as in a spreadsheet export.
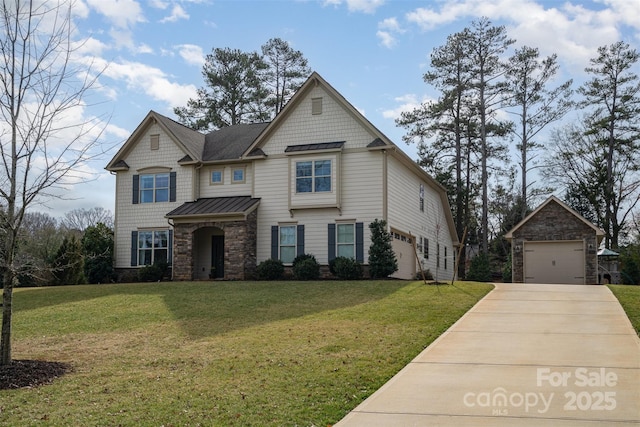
287	244
345	240
313	176
238	175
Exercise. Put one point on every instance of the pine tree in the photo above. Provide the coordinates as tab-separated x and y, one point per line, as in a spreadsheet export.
382	259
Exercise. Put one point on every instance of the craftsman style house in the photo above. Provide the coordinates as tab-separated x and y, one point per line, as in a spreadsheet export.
311	181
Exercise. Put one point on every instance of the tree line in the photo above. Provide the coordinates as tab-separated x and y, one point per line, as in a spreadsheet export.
76	249
488	99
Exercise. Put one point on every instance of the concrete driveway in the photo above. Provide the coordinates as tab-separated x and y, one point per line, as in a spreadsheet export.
526	355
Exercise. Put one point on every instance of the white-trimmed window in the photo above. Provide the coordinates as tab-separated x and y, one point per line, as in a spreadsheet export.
153	246
313	176
287	243
346	240
237	175
217	176
154	188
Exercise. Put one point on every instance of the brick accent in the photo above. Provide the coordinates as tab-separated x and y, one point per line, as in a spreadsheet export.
239	247
554	222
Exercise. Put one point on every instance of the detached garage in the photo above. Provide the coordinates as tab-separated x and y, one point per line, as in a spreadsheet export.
555	244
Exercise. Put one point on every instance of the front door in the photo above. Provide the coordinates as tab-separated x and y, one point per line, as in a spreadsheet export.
217	256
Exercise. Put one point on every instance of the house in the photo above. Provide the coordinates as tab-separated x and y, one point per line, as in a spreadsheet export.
311	181
555	244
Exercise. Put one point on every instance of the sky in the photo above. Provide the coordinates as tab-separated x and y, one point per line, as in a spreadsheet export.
374	52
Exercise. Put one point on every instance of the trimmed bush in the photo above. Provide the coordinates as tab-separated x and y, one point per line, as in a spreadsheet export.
271	269
152	273
346	268
307	269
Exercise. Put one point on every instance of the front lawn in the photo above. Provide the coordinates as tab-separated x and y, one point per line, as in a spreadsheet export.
221	353
629	297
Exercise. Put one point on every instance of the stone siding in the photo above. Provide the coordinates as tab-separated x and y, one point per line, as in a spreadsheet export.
239	250
553	222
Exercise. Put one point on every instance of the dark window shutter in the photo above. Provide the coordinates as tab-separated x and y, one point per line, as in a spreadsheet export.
134	249
300	240
170	256
274	242
172	187
359	242
136	188
331	238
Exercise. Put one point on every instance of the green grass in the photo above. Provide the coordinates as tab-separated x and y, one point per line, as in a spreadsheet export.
221	353
629	297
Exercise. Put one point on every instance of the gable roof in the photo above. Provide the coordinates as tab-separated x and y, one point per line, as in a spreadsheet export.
230	142
554	199
187	139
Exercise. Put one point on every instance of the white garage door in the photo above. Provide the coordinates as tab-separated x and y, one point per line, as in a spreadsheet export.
554	262
403	248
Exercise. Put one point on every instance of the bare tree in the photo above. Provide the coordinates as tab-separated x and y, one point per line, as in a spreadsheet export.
42	87
81	219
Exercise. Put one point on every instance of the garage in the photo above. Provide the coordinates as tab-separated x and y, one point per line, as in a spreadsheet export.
554	244
402	245
554	262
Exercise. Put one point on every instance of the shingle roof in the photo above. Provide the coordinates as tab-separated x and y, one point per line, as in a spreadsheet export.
310	147
215	206
376	143
230	142
192	139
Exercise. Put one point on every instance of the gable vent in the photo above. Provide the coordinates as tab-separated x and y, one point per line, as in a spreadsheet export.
155	142
316	106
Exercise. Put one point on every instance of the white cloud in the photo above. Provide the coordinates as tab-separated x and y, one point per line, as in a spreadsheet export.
572	31
176	13
151	81
408	102
121	13
192	54
388	29
364	6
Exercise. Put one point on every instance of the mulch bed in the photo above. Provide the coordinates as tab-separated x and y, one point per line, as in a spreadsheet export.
30	373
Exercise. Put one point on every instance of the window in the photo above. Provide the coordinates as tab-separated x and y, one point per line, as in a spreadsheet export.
313	176
445	257
216	177
154	188
287	243
345	240
237	175
153	247
421	198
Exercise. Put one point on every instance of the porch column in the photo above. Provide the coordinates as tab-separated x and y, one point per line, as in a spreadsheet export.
182	252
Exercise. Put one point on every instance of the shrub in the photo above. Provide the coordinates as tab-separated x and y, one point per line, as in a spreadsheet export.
97	244
382	259
307	269
480	269
271	269
427	275
302	257
152	273
507	270
346	268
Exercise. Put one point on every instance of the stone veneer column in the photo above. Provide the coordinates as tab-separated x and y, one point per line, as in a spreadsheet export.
239	248
182	252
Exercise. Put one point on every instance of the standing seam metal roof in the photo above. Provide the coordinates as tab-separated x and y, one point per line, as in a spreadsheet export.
215	206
